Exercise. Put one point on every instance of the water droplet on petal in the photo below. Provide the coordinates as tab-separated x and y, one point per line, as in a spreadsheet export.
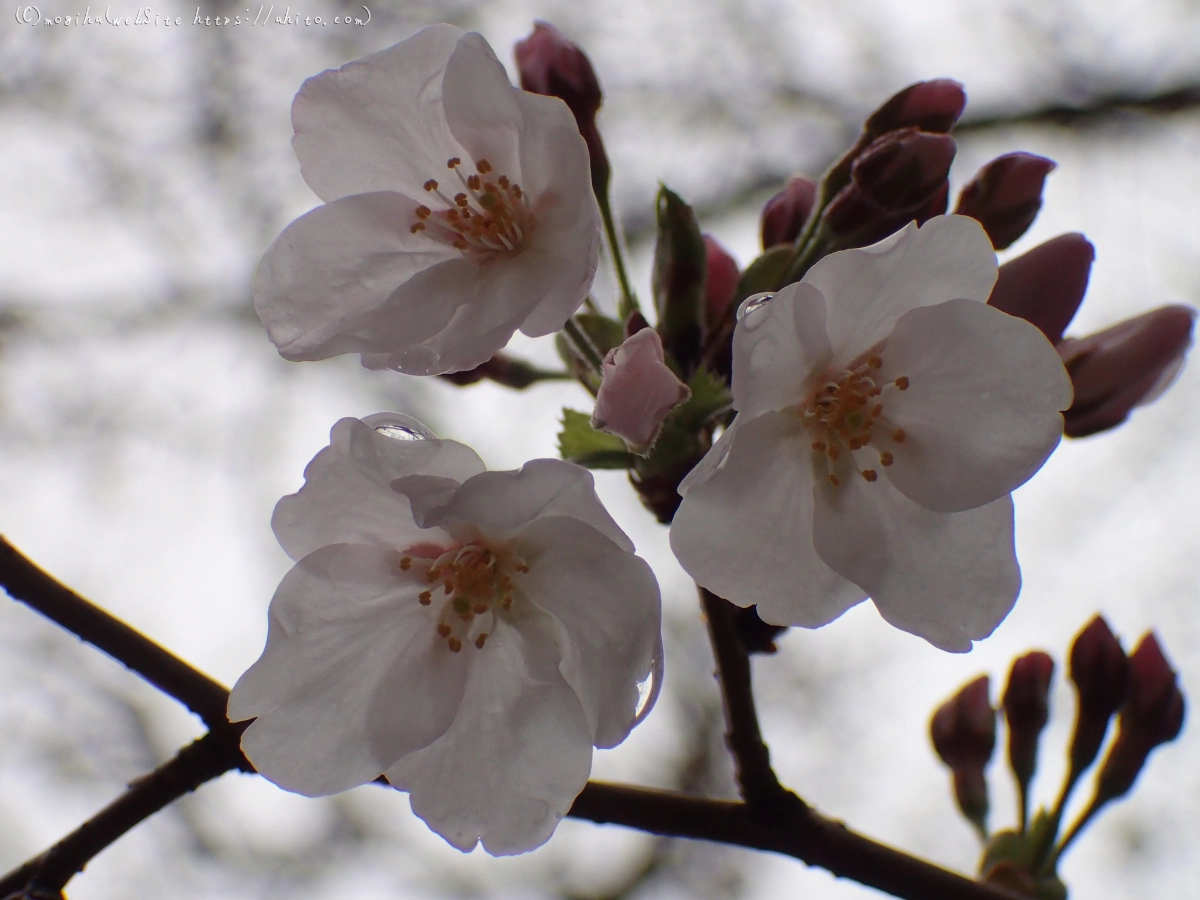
399	427
649	689
754	303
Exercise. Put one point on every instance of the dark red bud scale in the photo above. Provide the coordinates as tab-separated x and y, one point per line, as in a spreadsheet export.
1006	195
1046	285
784	215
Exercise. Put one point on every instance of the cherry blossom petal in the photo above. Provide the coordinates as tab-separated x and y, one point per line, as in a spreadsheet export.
637	390
376	124
868	290
505	502
516	756
746	533
982	410
481	106
607	600
347	496
352	677
322	288
779	350
950	578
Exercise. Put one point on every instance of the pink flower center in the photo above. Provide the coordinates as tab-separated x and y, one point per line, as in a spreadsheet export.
489	217
472	584
846	414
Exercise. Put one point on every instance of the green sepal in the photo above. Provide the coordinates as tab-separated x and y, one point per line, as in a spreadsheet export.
580	443
678	278
710	398
765	273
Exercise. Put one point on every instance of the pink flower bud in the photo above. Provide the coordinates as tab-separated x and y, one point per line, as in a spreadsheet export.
1027	709
1125	366
549	64
638	390
1005	195
784	215
928	105
1046	285
963	730
903	169
1152	716
1100	670
720	282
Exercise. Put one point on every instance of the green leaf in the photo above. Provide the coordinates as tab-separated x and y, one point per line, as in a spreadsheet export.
605	333
580	443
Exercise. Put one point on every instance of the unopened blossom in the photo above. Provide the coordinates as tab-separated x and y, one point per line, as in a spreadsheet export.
469	635
638	390
885	413
458	209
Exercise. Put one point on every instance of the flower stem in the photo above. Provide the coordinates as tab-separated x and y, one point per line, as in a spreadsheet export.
583	344
628	302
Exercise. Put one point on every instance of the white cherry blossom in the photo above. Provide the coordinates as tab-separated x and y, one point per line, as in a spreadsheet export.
885	413
470	635
458	209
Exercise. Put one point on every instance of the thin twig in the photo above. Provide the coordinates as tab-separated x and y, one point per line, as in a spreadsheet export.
201	761
789	828
24	581
752	759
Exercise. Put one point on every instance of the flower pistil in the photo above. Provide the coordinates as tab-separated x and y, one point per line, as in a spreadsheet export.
473	582
488	218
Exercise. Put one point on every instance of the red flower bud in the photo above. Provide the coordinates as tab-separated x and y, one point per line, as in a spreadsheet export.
1027	709
1152	716
1046	285
549	64
928	105
784	215
963	730
1005	195
1100	671
720	283
903	169
1125	366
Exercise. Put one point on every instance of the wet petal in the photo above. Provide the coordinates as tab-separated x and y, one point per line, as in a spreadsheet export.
347	496
950	578
607	601
516	756
746	533
352	677
780	350
982	410
323	287
376	124
868	290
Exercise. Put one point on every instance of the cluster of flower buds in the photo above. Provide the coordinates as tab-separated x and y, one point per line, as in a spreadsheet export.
1113	371
1140	690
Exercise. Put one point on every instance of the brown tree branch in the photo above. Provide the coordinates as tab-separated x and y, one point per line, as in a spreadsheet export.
24	581
778	821
752	760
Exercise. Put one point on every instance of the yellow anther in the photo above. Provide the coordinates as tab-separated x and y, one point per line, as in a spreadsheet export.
875	362
898	435
417	227
480	608
461	199
455	645
833	479
453	162
425	598
474	182
424	212
431	185
886	459
902	382
443	630
479	641
483	167
870	474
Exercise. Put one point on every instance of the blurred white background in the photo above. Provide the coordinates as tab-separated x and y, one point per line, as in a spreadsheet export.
147	426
